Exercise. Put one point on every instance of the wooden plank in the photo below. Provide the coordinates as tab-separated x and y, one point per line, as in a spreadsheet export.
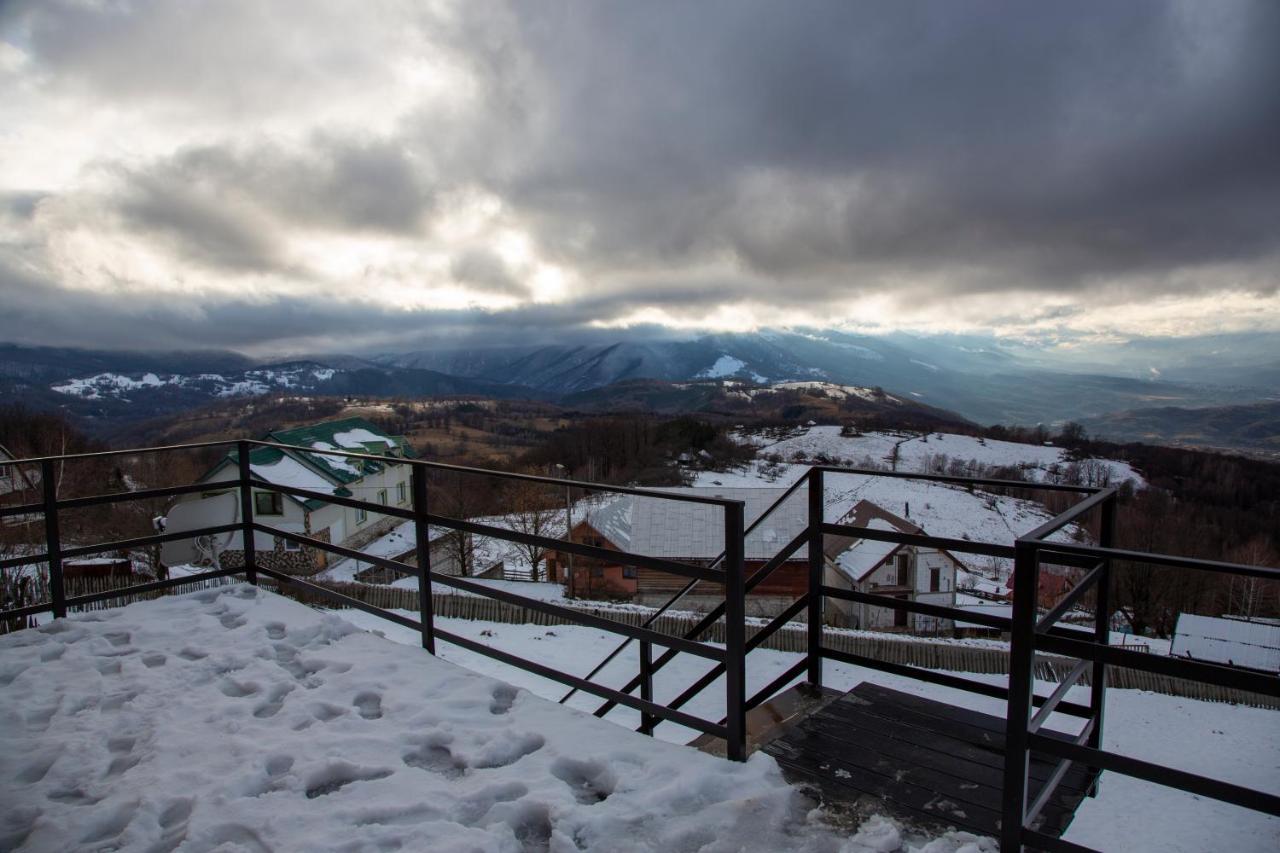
858	724
928	762
955	758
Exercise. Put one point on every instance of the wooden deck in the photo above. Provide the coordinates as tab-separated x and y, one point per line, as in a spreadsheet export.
926	763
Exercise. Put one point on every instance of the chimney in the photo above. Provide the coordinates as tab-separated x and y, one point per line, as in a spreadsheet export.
908	509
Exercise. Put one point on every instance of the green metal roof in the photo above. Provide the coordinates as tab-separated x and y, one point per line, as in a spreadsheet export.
358	436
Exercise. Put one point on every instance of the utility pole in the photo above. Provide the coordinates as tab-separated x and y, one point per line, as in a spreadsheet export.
568	530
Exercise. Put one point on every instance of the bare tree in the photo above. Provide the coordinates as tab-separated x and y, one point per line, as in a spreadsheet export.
534	512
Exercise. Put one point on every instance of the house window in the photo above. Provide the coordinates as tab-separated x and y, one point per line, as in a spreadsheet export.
629	572
268	503
900	617
935	579
290	545
382	496
904	570
361	515
402	493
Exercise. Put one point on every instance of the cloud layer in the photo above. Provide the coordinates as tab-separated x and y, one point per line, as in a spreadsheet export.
277	176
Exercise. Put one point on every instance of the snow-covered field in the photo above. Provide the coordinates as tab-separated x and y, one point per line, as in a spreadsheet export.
236	720
920	452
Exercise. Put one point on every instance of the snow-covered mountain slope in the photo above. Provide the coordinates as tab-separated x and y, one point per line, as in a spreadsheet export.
245	384
938	453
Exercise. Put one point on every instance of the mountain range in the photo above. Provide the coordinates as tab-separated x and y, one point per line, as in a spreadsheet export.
981	379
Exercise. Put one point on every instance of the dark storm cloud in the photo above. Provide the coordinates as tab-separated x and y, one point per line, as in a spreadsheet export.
484	270
1047	143
921	150
37	313
224	203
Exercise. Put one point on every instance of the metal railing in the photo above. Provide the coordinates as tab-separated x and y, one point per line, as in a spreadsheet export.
728	574
1030	630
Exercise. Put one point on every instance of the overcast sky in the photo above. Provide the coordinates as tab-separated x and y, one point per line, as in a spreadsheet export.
273	177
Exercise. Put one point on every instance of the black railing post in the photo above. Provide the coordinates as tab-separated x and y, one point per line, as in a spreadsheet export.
246	513
735	633
1102	628
647	721
53	539
422	544
816	567
1021	687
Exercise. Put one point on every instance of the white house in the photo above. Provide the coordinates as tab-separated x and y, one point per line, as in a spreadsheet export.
16	478
908	572
381	482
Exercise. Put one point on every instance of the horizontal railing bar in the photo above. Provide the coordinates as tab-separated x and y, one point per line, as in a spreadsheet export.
1036	840
1070	514
765	693
144	494
1069	600
150	586
508	475
99	454
1057	695
1192	670
1192	783
334	595
993	690
1049	557
589	551
10	562
566	613
140	541
29	610
982	688
635	632
1000	623
616	696
1055	778
988	549
1173	561
340	550
960	481
21	509
354	503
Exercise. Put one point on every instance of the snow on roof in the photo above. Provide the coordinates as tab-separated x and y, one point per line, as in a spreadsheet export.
1253	645
287	471
338	739
675	529
356	439
865	555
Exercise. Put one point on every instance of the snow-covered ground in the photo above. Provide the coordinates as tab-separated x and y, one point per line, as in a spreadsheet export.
1235	743
236	720
920	452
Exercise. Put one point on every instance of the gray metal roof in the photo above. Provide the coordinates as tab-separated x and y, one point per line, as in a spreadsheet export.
1255	645
679	530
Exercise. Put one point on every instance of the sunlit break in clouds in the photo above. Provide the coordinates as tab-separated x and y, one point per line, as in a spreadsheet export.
278	177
